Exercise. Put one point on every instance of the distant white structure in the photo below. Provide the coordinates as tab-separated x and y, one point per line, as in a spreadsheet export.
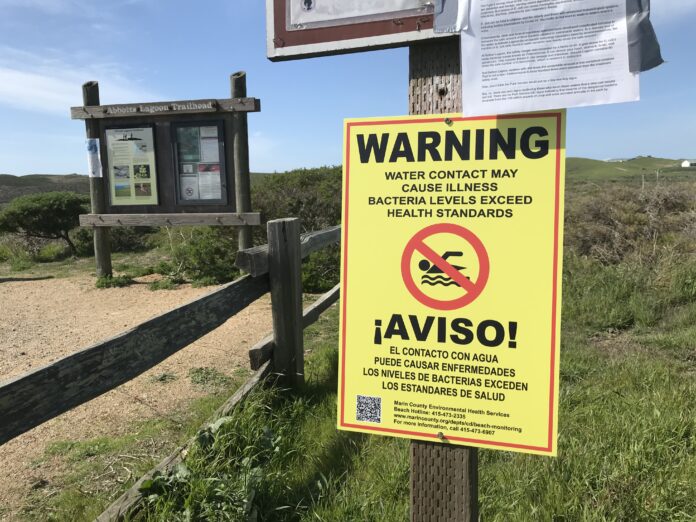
687	163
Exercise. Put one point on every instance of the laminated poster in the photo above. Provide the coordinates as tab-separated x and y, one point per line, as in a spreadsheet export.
451	279
132	168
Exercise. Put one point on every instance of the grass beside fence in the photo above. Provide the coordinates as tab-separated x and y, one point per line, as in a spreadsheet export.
93	472
627	445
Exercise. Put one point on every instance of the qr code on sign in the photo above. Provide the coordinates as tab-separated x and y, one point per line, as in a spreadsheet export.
369	409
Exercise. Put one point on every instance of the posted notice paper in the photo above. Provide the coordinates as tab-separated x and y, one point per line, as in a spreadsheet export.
528	55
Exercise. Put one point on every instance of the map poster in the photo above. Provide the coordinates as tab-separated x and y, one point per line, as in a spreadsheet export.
132	166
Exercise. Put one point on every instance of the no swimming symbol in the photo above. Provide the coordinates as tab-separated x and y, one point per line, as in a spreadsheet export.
440	271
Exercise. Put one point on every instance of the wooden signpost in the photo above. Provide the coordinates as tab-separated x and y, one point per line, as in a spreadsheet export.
444	477
175	163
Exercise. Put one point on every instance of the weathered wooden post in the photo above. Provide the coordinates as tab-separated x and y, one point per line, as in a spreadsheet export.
284	263
240	147
444	477
97	190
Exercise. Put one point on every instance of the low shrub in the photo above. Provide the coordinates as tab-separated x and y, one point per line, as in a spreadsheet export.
52	252
321	271
313	196
114	281
206	254
122	239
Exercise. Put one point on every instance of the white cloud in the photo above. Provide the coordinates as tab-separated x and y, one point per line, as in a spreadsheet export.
50	83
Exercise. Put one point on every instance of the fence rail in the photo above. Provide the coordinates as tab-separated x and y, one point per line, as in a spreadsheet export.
262	351
32	399
255	260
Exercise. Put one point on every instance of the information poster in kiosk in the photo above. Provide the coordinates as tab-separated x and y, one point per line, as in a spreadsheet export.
200	169
132	168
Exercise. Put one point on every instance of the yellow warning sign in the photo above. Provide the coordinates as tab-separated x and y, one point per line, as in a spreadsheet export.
451	279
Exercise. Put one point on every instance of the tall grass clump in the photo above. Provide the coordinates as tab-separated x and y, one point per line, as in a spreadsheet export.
279	457
629	254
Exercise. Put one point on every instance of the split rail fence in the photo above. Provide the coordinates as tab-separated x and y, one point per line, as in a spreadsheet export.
32	399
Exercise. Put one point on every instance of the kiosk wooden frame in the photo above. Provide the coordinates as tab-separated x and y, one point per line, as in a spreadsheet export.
164	118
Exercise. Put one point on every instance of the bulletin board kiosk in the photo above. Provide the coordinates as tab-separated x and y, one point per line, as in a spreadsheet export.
167	163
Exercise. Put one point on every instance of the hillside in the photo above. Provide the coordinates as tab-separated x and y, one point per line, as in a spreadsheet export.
583	169
15	186
578	169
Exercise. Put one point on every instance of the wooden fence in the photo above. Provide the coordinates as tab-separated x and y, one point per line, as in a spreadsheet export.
30	400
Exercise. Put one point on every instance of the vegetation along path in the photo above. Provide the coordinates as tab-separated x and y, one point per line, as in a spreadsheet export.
43	320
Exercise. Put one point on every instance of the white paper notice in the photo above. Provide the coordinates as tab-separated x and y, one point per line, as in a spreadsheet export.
528	55
93	158
209	185
210	150
189	187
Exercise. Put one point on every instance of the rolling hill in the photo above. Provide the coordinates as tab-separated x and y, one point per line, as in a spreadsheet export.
577	169
15	186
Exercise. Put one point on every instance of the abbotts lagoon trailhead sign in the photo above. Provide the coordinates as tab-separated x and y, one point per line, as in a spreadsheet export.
451	279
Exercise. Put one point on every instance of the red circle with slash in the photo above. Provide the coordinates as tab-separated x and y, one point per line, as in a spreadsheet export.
471	289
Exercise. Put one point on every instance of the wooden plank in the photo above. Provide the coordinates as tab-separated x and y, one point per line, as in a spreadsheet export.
170	220
285	265
263	350
317	240
34	398
255	260
147	110
128	502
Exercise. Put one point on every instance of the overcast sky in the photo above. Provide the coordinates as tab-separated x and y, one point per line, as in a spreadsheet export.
148	50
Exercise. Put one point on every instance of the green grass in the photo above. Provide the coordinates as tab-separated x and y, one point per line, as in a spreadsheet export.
99	469
627	444
583	169
208	377
114	282
627	424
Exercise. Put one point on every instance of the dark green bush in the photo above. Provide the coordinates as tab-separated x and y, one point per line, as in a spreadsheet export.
114	281
321	270
314	196
51	215
207	253
122	239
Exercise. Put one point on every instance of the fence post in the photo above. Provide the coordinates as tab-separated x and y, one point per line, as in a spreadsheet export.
97	189
444	477
284	263
240	146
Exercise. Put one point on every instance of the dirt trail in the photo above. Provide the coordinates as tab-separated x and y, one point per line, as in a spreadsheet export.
41	321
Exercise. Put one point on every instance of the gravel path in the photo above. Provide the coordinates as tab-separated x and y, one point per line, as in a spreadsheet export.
41	321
